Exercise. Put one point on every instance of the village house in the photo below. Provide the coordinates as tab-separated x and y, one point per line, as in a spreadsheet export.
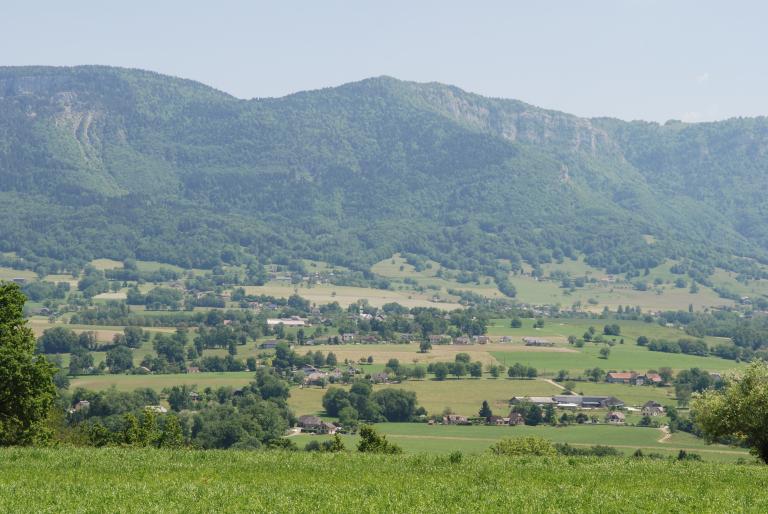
505	339
496	420
158	409
654	378
455	419
621	378
293	321
633	378
588	402
309	423
462	340
308	369
439	339
268	345
615	417
536	400
193	369
347	337
571	401
380	378
481	339
317	378
82	404
652	408
515	418
327	428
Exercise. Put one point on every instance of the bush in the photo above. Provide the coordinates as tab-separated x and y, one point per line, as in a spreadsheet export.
372	442
521	446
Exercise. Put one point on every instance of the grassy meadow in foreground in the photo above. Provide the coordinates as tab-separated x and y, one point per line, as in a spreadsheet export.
125	480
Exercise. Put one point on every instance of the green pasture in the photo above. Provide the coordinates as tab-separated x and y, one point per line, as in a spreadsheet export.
158	382
464	396
421	437
626	357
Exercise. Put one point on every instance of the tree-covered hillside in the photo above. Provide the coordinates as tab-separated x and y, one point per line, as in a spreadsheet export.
109	162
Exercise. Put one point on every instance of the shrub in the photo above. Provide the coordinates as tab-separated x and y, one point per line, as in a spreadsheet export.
520	446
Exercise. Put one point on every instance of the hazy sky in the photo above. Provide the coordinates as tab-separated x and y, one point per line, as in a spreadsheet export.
656	60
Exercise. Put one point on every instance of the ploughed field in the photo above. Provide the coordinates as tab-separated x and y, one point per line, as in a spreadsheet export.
130	480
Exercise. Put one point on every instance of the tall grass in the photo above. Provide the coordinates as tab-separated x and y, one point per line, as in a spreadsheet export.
125	480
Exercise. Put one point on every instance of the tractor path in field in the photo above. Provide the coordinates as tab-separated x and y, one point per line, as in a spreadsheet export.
666	434
554	383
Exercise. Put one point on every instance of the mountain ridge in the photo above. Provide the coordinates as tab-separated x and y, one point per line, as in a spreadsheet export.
374	166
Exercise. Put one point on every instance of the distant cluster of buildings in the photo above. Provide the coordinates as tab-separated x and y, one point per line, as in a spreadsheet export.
316	376
632	378
571	401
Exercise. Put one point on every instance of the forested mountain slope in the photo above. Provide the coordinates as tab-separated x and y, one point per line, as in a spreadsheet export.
109	162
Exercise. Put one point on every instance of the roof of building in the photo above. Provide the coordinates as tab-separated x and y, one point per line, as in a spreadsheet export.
623	375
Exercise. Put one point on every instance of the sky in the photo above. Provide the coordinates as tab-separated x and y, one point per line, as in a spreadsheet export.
631	59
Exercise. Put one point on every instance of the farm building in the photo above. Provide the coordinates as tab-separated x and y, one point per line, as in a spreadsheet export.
293	321
455	419
652	408
621	378
535	341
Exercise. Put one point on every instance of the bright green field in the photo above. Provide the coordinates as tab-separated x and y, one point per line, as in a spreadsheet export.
627	356
463	396
158	382
622	357
420	437
124	480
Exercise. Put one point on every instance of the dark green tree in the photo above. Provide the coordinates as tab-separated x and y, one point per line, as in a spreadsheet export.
26	381
485	410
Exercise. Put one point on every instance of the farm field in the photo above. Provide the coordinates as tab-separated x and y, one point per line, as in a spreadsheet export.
78	480
630	394
158	382
564	327
390	268
546	291
625	357
326	293
421	437
104	333
10	274
463	396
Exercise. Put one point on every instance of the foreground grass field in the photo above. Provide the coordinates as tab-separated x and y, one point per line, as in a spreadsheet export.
124	480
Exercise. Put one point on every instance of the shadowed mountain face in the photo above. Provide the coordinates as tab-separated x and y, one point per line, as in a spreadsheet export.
108	162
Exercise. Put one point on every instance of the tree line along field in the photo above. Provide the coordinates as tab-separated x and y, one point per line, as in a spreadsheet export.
131	480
